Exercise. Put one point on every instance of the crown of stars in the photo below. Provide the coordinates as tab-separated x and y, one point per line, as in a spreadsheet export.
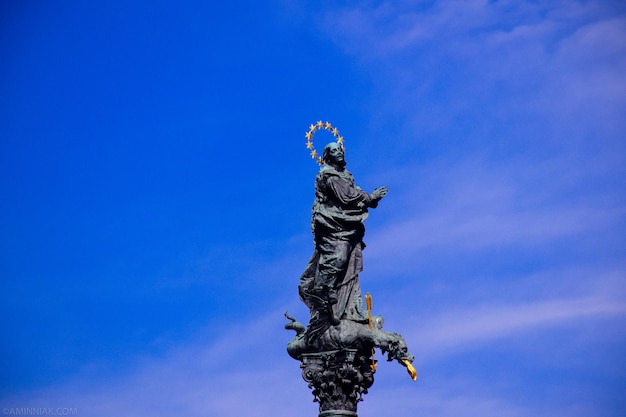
309	138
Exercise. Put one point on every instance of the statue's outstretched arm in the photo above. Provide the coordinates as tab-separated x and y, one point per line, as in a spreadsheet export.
348	195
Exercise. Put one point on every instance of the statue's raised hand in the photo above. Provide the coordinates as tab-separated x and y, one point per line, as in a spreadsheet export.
379	193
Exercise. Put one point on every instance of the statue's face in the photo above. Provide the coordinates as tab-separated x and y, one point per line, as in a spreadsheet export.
335	154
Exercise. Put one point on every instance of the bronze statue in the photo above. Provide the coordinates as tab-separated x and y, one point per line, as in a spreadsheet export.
336	348
329	286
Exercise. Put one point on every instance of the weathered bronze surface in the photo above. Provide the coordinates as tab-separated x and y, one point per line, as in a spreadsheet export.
336	347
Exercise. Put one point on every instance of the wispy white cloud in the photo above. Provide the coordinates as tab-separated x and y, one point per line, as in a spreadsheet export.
247	371
459	329
466	396
478	207
489	228
244	371
544	72
441	402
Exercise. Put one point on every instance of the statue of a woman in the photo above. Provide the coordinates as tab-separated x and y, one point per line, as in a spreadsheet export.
330	286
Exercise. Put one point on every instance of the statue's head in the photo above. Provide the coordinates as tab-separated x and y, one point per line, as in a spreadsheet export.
333	154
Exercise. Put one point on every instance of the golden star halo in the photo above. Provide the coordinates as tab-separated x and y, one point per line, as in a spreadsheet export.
309	138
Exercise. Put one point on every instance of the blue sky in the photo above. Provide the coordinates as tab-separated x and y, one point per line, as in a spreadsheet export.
156	195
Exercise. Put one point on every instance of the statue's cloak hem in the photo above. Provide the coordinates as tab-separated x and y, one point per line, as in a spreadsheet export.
349	300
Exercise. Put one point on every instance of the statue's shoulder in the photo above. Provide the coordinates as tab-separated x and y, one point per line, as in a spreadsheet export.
327	171
326	168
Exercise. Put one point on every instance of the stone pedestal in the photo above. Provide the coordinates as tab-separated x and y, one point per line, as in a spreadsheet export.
338	380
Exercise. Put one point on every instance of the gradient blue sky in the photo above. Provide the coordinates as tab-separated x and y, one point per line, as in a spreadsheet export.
156	195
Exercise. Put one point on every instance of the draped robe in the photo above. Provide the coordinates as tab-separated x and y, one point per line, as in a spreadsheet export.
338	213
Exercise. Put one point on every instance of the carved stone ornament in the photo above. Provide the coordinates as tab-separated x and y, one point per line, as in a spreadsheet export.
338	380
